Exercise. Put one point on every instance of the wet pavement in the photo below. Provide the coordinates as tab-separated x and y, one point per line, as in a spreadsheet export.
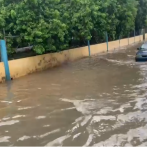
96	101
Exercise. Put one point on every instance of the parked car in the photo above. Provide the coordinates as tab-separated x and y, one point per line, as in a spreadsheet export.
141	55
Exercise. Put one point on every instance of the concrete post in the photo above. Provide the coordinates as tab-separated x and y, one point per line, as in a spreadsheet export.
107	41
4	58
89	47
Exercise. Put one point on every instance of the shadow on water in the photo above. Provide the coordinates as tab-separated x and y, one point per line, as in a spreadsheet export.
97	101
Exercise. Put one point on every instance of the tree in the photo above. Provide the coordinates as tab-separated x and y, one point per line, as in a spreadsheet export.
53	25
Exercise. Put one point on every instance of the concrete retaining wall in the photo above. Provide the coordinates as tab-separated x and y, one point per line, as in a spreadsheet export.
24	66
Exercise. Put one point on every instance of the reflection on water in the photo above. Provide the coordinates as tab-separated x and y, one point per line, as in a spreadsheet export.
98	101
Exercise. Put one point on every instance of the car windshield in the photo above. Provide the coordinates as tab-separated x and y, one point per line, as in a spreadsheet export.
144	46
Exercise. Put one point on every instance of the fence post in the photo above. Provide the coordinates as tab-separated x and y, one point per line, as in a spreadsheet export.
134	36
119	41
143	34
107	41
4	57
140	35
89	47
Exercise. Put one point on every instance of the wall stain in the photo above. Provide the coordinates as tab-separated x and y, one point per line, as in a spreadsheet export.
3	79
40	62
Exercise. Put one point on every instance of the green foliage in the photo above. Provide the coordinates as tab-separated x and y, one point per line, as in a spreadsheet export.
39	49
141	17
53	25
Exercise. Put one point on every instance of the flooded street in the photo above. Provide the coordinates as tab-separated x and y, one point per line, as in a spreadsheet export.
96	101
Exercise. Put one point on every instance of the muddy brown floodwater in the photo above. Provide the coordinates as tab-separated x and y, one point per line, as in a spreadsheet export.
97	101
